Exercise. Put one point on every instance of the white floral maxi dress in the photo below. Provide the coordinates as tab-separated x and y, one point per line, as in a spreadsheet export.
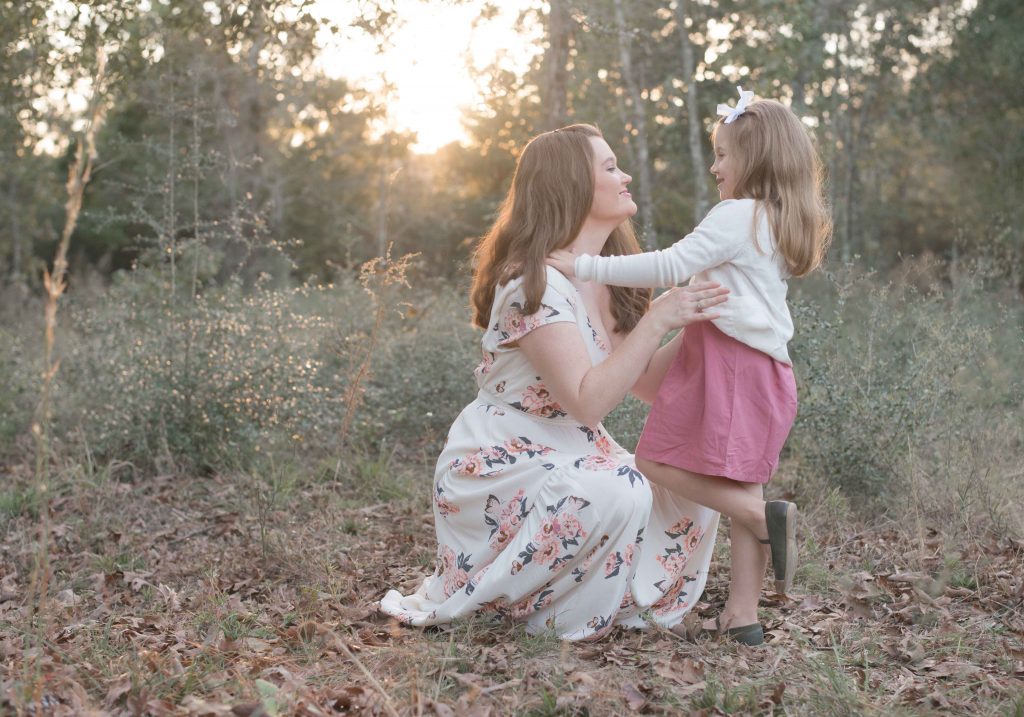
542	519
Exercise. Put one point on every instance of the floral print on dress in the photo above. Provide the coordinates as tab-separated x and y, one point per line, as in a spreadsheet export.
453	569
598	341
600	624
444	506
485	364
604	445
532	603
674	561
504	519
560	532
605	463
475	579
681	528
674	597
516	324
480	463
618	560
537	401
580	571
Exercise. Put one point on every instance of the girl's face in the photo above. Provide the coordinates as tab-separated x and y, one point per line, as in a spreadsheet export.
725	165
612	201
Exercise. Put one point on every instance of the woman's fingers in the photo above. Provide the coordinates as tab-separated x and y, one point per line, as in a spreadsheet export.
704	316
709	291
713	300
703	286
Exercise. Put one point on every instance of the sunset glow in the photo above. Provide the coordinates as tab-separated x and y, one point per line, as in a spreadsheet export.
428	62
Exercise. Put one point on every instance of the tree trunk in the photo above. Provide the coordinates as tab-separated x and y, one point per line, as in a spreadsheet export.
255	116
839	115
693	122
556	73
14	227
170	207
639	123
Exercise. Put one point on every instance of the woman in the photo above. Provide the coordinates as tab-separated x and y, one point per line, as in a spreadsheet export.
539	514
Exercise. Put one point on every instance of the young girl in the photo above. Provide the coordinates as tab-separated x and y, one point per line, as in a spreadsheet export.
725	407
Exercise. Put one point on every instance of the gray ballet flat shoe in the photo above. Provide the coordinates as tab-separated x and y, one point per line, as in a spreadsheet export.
752	635
780	515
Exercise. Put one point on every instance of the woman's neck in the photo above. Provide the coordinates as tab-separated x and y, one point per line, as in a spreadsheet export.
592	238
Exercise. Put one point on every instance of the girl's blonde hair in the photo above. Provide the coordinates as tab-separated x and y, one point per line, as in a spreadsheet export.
550	197
778	166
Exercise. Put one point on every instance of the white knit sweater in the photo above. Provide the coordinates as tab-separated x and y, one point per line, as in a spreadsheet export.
722	249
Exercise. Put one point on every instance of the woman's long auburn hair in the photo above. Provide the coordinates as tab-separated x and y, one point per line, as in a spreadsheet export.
779	167
549	200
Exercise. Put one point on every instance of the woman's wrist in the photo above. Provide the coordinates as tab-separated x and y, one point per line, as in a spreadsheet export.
652	324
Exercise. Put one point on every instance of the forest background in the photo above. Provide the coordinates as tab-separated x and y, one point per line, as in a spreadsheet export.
264	337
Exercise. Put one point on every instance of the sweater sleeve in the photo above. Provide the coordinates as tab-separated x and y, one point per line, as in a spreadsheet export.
716	240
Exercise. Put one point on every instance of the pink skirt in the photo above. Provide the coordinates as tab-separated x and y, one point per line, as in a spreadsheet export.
723	409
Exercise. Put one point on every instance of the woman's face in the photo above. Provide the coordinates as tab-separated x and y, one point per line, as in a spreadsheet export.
612	201
724	167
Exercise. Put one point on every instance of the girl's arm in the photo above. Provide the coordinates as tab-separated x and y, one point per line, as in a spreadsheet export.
589	393
716	240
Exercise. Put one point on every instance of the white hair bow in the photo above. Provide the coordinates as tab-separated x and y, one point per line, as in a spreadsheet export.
731	113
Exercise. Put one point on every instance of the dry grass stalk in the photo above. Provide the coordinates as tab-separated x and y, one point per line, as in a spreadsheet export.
79	174
388	707
378	276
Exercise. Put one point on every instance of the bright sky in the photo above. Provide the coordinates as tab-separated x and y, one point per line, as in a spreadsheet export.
427	61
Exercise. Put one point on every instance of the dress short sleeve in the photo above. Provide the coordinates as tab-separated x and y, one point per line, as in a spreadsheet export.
509	322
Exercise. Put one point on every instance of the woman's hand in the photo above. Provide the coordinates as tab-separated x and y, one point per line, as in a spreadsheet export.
564	261
685	305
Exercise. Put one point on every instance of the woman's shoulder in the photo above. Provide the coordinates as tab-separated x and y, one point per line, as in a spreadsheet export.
559	282
558	288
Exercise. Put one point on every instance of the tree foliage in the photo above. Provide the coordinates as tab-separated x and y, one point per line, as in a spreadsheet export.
223	133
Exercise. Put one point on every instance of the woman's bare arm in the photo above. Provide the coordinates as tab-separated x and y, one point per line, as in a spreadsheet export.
589	393
646	387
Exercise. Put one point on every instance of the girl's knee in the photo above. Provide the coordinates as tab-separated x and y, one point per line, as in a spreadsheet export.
645	465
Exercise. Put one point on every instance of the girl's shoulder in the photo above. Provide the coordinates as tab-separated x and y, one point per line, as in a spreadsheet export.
730	221
732	210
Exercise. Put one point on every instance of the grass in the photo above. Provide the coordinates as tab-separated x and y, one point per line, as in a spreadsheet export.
237	616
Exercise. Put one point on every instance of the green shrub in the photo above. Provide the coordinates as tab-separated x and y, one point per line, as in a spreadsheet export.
17	394
205	383
423	376
890	373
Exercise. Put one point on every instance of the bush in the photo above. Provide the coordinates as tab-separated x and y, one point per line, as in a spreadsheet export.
17	398
891	375
423	375
206	383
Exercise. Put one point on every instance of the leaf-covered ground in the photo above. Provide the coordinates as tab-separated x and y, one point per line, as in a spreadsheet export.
235	596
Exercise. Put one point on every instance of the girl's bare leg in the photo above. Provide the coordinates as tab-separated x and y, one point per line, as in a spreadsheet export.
741	502
749	560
